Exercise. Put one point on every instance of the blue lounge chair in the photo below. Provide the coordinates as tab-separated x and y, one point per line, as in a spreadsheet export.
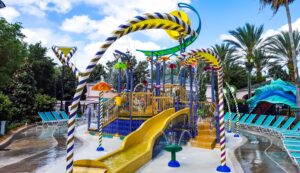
243	118
64	115
43	117
288	139
295	154
292	135
50	117
249	119
275	124
291	143
297	160
285	126
292	131
58	117
234	118
292	148
259	120
268	121
226	117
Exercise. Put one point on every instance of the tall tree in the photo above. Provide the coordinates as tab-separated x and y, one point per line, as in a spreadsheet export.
275	5
69	82
23	92
232	71
245	41
97	73
43	69
226	53
281	48
140	72
261	60
277	72
12	50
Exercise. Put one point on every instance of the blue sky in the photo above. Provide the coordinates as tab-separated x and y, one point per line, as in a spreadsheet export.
86	23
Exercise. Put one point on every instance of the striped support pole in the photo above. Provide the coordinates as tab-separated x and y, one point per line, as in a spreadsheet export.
131	26
65	59
209	56
222	167
100	148
237	124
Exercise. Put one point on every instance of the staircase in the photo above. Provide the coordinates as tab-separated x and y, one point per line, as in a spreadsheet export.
206	137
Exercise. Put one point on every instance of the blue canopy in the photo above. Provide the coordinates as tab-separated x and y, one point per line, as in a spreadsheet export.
278	92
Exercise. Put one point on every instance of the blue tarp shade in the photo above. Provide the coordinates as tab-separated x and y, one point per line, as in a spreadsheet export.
2	5
278	92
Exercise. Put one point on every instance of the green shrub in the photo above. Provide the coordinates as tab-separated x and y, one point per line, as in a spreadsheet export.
44	102
5	107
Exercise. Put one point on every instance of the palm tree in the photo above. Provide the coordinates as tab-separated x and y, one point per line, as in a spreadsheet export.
261	60
226	54
245	41
275	5
280	47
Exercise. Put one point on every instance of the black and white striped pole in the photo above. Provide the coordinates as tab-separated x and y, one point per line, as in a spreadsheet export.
2	5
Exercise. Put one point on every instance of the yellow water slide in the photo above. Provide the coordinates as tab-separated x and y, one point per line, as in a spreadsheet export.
136	149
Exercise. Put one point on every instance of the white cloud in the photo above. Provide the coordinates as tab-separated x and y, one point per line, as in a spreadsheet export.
60	6
94	29
33	10
117	12
9	13
226	37
79	24
85	53
295	25
48	38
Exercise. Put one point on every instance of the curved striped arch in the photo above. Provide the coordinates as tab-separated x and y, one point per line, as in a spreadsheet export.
64	55
154	21
213	59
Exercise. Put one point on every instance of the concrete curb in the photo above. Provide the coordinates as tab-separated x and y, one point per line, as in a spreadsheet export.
8	140
236	166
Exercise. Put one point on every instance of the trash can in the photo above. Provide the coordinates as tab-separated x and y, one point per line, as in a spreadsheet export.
2	130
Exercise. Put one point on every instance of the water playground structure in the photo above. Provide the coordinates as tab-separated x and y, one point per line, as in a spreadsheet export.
146	117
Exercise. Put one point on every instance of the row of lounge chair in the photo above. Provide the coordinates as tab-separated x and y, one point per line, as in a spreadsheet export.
54	117
287	128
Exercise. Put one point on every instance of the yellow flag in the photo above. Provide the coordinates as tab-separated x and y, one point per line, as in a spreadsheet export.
65	50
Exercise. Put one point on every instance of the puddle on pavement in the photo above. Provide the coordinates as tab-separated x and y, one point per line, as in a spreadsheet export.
33	149
255	155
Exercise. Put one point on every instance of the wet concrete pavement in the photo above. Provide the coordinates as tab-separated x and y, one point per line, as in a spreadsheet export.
262	154
33	149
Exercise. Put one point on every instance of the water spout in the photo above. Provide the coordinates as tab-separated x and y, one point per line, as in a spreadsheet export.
182	134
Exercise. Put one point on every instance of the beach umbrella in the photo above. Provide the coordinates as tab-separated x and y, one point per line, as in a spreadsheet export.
101	86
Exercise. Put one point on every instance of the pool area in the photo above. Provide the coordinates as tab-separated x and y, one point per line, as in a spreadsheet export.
34	148
264	154
38	149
